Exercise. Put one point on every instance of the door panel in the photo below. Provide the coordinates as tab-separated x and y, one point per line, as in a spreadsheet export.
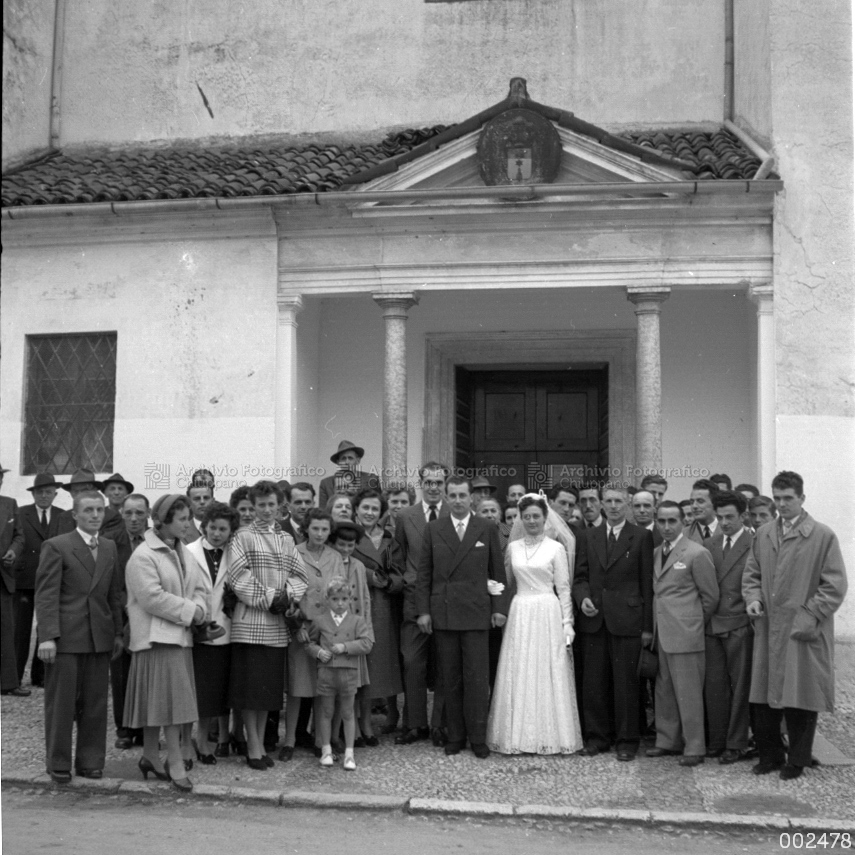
533	427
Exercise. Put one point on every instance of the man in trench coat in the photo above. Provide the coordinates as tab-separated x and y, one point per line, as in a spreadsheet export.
794	581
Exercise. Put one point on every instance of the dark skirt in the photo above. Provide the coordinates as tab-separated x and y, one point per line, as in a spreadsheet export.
257	679
211	665
161	687
384	660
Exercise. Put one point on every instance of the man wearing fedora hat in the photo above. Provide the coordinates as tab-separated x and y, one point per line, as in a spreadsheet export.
83	481
11	545
348	479
481	489
39	521
115	488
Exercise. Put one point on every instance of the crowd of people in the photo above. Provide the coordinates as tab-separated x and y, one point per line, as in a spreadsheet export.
583	621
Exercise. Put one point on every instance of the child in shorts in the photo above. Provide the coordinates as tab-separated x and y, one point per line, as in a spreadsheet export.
337	638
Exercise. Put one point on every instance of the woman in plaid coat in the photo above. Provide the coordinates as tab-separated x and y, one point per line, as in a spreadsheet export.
267	575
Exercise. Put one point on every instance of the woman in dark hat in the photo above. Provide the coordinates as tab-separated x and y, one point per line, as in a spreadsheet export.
166	597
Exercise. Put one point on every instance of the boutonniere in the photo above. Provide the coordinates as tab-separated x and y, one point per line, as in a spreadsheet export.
679	565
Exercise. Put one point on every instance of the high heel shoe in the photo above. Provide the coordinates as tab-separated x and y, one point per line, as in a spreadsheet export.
207	759
184	785
147	767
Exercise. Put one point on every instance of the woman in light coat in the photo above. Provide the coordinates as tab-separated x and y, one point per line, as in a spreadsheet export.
166	597
212	657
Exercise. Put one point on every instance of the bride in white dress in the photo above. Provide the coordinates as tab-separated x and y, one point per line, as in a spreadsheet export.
533	709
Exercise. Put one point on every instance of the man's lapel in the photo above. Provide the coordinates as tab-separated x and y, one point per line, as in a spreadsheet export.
622	545
598	539
470	538
84	554
101	564
34	520
675	553
448	532
417	517
735	553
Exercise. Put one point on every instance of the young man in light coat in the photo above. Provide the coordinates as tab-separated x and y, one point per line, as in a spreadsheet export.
794	582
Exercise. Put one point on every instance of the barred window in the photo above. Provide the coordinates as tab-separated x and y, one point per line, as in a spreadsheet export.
70	406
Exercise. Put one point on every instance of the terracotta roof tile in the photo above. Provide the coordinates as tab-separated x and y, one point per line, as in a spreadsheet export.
181	173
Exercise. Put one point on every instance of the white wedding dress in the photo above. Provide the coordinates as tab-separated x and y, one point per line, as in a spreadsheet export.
533	709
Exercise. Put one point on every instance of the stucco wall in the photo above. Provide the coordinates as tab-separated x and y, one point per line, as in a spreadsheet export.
707	344
133	71
196	330
27	60
811	109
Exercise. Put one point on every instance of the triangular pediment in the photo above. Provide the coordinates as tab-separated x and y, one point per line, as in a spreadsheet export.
522	128
583	161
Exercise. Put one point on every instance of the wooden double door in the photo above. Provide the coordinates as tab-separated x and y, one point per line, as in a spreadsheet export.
532	427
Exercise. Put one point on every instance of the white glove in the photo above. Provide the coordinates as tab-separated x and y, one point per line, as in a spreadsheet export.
569	635
495	588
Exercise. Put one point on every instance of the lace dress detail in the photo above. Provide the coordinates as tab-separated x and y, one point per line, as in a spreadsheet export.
534	708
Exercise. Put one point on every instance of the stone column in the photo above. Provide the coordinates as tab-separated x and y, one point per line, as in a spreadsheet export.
395	306
648	374
763	295
286	377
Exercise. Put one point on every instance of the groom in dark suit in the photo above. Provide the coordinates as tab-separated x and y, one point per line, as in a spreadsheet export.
460	554
613	588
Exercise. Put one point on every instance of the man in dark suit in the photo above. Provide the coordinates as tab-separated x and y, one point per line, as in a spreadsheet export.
644	512
729	638
300	498
135	514
591	505
83	481
79	614
11	546
39	522
349	478
415	645
613	588
459	555
704	522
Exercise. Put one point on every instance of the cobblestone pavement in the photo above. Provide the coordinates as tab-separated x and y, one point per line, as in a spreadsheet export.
422	771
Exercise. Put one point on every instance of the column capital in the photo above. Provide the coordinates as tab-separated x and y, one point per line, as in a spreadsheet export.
395	304
647	297
289	306
763	295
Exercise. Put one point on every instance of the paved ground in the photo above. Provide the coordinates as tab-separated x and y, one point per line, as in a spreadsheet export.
45	821
421	771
